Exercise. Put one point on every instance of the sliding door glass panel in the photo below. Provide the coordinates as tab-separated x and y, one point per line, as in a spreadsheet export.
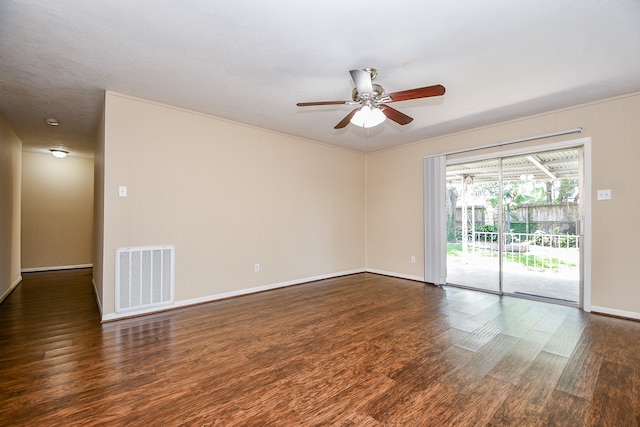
473	216
541	223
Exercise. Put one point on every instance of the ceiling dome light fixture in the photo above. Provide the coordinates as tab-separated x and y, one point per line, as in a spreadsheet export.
52	122
368	117
57	153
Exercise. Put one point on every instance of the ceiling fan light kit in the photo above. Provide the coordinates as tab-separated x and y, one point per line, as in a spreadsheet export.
367	117
372	100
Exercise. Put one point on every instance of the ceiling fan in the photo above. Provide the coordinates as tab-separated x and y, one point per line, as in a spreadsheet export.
372	101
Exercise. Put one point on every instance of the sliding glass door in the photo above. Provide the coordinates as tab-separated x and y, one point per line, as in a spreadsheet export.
472	225
542	222
513	224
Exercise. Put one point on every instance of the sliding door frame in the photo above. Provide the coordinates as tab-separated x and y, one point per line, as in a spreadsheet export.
585	232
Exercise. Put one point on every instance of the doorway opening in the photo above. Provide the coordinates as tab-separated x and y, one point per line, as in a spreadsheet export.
514	224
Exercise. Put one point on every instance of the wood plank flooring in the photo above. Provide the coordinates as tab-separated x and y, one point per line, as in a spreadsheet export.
361	350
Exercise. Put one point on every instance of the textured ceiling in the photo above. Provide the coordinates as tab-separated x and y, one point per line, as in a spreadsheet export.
251	61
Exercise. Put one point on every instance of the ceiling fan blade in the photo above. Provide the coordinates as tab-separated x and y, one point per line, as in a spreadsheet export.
346	120
396	116
362	79
421	92
309	104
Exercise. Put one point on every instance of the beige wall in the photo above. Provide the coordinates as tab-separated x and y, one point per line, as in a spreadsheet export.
10	184
395	195
227	196
57	211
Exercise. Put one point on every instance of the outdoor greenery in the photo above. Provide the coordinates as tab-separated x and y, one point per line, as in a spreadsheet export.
539	218
517	194
564	191
528	260
541	238
454	249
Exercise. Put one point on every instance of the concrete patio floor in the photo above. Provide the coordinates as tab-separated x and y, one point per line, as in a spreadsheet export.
477	271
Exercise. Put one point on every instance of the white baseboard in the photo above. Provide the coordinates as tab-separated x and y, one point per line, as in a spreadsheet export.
11	288
215	297
614	312
398	275
225	295
54	268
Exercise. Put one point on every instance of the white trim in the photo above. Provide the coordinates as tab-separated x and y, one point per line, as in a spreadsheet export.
55	268
225	295
11	288
586	232
615	312
398	275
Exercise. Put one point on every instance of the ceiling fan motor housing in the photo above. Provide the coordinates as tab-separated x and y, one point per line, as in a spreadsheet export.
378	91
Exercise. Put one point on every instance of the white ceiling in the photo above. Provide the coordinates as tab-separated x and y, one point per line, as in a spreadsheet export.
250	61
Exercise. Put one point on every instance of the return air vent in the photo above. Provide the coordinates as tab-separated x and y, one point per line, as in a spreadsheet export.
144	277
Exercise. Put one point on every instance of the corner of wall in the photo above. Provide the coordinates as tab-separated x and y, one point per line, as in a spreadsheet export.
10	207
98	209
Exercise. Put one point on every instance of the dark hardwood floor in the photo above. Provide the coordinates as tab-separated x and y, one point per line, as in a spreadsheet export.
362	350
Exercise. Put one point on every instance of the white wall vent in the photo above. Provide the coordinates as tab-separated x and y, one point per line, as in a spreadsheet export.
144	277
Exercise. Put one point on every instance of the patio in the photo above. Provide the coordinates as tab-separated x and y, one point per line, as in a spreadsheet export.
523	209
531	270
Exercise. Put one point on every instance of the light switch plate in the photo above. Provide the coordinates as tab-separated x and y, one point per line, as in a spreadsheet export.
604	194
122	191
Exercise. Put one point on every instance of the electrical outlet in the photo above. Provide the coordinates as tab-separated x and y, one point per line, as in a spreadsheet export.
256	267
413	259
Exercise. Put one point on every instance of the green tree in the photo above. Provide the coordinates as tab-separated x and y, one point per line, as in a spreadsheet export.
568	190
